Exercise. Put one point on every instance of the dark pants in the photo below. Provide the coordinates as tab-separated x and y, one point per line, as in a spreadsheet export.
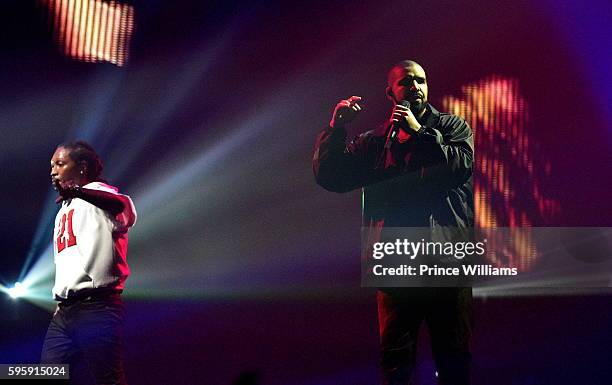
89	329
448	314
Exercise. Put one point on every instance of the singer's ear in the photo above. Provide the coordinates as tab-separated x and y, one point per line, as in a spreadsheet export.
390	95
83	168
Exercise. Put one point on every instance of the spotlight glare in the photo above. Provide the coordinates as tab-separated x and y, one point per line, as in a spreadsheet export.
17	291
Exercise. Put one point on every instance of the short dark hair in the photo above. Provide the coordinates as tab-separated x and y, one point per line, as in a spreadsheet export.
81	151
403	64
406	63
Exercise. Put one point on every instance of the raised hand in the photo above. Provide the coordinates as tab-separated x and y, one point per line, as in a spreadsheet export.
345	111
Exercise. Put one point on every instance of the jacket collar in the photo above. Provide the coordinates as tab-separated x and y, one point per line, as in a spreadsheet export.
431	117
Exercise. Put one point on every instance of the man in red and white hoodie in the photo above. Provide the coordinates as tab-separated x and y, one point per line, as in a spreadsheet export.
90	242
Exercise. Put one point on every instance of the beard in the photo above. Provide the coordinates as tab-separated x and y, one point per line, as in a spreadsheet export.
55	183
418	108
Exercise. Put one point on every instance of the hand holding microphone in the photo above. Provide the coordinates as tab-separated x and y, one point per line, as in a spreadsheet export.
403	118
403	123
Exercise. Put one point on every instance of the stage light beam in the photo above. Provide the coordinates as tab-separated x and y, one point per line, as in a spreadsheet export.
18	290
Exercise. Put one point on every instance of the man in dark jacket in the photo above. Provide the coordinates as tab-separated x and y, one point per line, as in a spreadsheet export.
415	171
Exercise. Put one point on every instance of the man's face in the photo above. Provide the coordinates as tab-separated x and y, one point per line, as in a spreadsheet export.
408	83
63	168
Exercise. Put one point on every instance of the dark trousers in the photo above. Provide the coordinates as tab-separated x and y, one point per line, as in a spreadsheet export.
448	315
89	329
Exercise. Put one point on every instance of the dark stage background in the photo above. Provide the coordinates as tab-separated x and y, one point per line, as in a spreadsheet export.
240	262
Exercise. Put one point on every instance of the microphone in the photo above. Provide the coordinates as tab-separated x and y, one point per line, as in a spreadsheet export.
395	126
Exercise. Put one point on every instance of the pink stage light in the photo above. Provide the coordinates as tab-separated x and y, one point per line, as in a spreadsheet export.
507	184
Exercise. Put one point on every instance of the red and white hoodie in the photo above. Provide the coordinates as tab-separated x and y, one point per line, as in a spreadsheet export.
90	244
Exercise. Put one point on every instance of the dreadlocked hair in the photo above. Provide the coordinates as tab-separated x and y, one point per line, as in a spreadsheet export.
81	151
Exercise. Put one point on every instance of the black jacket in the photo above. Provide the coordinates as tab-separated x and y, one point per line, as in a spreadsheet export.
424	182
